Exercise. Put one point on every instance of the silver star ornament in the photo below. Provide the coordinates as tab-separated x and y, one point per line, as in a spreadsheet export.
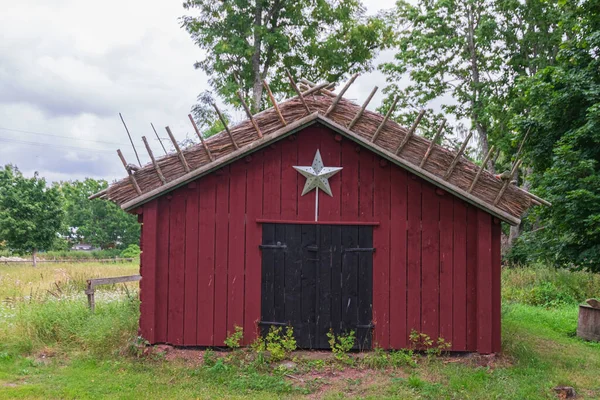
317	175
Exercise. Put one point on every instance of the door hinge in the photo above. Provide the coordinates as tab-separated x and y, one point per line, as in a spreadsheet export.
359	249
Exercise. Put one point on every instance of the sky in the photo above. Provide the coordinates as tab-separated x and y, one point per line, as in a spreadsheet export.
69	67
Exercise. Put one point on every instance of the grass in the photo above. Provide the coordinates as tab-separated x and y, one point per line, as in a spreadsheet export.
52	347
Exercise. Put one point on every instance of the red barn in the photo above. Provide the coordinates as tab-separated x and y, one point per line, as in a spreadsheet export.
321	215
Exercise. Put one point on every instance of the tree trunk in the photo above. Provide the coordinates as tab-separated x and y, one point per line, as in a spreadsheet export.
257	86
34	256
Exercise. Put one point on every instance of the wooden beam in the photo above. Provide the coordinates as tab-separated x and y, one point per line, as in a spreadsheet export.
481	168
340	95
274	102
156	166
457	157
387	116
131	177
95	196
298	92
362	109
316	88
535	198
212	158
130	140
435	138
507	182
314	85
186	167
249	115
158	137
411	132
225	125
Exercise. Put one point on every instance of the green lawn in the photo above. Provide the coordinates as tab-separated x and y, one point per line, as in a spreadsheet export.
52	347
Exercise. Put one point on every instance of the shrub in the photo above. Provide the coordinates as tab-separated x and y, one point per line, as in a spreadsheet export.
341	345
233	340
422	341
132	251
278	344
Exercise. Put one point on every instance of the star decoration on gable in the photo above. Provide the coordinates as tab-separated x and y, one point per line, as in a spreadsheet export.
317	176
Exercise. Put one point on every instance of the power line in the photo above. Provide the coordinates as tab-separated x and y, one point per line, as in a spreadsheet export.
59	136
56	145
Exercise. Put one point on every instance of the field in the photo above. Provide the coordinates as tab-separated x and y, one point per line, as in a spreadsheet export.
52	347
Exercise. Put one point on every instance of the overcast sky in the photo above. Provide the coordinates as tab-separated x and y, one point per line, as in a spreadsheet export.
68	67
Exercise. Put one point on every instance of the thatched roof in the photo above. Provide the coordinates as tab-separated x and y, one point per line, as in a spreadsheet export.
509	206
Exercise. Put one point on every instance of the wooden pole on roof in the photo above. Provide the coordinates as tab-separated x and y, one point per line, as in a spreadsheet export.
362	109
212	158
507	182
131	177
225	125
320	87
249	115
156	166
158	137
274	102
457	157
410	132
179	152
313	85
522	143
435	138
298	92
481	168
387	116
130	140
340	95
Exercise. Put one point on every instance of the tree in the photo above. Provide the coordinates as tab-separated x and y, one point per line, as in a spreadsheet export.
98	222
447	49
30	213
256	40
564	149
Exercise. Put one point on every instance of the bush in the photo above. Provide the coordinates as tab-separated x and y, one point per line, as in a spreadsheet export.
277	343
541	285
132	251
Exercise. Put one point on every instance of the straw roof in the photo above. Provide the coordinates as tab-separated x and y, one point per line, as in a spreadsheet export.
498	197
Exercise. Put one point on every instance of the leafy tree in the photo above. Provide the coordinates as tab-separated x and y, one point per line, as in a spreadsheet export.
30	212
564	150
98	222
255	40
447	49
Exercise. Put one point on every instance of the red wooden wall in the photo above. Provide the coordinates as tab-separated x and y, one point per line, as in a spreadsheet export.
436	268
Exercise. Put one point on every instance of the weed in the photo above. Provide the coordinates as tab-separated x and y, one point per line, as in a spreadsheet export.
234	340
209	357
421	341
382	359
277	344
341	345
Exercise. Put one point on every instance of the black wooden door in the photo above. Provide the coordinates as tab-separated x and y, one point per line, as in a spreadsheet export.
316	278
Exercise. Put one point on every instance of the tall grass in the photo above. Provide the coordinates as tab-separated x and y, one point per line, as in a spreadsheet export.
46	307
540	285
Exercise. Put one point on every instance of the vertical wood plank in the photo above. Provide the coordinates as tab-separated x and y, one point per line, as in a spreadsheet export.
309	287
496	288
365	288
398	270
325	285
329	206
349	181
176	268
289	178
459	285
162	269
446	266
430	259
252	282
414	254
191	265
221	255
206	260
237	237
149	259
484	282
365	185
308	143
471	278
381	258
272	181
